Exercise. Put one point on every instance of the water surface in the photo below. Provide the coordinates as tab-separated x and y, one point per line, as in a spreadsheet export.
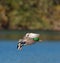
46	52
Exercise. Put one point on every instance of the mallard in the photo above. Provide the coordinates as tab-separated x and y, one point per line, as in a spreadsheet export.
28	39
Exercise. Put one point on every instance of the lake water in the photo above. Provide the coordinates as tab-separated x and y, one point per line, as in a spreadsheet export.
45	52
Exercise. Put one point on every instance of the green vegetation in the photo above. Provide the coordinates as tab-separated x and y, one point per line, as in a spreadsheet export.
30	14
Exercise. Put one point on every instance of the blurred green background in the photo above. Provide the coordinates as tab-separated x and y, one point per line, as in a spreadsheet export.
16	35
20	16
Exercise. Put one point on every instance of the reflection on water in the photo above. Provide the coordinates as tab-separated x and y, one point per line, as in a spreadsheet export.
45	35
45	52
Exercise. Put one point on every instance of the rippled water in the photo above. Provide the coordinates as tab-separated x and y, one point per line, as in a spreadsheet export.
46	52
